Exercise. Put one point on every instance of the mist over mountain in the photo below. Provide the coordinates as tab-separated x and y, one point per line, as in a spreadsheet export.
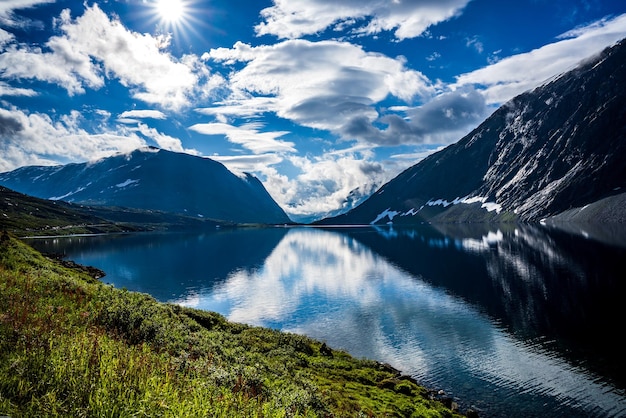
153	179
559	149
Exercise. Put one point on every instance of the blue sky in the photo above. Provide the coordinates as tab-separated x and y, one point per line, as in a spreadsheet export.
319	99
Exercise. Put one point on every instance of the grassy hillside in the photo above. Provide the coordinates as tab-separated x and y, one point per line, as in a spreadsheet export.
25	215
72	346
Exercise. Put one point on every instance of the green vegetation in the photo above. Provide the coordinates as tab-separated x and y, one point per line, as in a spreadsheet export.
73	346
25	215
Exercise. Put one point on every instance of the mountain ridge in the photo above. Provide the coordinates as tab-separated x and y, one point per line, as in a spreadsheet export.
551	149
153	179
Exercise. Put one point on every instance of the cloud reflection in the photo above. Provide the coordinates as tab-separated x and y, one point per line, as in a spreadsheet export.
331	287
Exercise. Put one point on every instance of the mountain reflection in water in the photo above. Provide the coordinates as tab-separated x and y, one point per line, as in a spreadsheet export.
511	320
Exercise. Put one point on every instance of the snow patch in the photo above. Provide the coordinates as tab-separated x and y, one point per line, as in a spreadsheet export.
488	206
598	63
475	199
439	202
128	182
386	213
491	206
80	189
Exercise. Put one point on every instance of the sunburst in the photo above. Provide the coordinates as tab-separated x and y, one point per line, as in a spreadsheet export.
172	12
179	18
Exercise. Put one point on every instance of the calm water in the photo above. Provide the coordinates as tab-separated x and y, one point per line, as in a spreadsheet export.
513	321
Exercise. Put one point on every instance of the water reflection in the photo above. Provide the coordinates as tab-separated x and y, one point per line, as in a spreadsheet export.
331	286
539	284
168	266
505	318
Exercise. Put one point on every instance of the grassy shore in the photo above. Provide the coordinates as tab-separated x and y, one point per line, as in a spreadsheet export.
73	346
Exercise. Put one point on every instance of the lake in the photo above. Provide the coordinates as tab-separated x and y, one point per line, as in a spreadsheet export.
512	320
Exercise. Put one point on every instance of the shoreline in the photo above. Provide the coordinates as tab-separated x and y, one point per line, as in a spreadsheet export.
242	367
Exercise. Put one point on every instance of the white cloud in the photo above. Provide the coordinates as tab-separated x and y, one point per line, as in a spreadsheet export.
449	115
69	69
324	182
133	117
416	157
164	141
325	85
5	37
136	59
442	120
249	136
8	90
246	107
321	183
475	43
36	139
248	163
8	6
297	68
143	114
409	18
514	75
93	46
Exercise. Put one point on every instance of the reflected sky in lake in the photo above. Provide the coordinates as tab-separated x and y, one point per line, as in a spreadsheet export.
482	314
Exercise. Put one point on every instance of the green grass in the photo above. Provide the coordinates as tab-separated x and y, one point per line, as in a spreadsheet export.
71	346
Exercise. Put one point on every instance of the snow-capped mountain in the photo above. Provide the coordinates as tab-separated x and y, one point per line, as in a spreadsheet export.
153	179
560	148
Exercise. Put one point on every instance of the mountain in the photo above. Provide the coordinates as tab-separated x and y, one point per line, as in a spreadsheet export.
153	179
558	149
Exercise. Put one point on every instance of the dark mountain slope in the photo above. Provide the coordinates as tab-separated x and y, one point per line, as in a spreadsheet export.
153	179
560	146
26	215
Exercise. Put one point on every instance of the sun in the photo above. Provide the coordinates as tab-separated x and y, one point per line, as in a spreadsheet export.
178	20
171	12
